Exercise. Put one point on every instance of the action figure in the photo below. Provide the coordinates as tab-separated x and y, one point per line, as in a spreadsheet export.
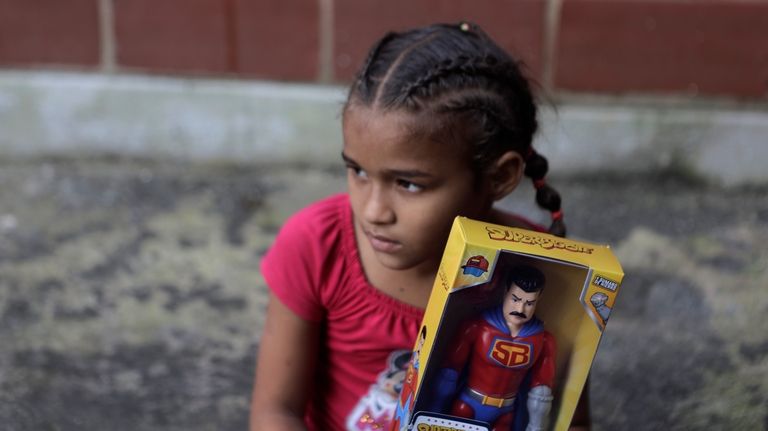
495	356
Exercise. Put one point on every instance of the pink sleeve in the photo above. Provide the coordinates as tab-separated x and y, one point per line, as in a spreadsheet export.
291	268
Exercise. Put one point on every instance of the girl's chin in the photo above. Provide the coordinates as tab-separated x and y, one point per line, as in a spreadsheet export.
393	261
399	261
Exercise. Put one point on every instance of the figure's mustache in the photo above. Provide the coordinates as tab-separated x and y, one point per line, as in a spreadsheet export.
518	314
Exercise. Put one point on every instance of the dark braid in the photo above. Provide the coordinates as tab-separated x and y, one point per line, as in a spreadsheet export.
536	168
457	75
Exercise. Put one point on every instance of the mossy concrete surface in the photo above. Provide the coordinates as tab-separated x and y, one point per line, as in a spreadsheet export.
131	299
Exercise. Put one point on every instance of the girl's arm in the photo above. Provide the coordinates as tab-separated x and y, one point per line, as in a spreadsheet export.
284	370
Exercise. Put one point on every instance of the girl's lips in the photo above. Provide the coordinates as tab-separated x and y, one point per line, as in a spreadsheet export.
382	244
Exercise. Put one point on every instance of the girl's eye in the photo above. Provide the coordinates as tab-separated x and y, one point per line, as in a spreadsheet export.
409	186
358	172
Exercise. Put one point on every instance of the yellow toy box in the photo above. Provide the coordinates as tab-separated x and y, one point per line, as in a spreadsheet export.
496	351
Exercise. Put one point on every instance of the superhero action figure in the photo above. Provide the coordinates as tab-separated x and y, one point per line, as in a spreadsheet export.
500	358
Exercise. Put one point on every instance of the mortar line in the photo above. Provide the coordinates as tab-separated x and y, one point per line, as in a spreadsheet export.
551	33
107	39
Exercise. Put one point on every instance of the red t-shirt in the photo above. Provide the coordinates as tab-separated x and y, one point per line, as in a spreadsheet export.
314	269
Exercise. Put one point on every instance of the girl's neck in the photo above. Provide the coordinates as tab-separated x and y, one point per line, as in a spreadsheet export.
408	286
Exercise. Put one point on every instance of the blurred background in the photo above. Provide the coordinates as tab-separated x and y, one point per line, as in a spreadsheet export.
151	149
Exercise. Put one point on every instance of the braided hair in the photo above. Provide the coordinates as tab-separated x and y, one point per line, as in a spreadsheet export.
455	74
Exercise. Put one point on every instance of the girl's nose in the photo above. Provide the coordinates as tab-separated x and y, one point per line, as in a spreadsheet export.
378	209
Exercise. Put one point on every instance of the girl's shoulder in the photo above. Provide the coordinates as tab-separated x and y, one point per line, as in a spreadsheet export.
330	204
314	231
311	246
317	217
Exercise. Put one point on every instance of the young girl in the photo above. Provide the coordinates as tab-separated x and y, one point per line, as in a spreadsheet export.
438	123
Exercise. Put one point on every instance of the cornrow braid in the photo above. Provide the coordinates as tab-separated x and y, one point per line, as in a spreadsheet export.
474	66
363	81
459	77
460	65
536	167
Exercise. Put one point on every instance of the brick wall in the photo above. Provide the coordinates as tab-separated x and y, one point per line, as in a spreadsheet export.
697	48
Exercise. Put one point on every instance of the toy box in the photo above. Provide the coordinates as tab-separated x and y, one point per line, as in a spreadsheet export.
462	362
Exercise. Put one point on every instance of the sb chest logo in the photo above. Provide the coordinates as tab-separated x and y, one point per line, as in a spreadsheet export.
510	354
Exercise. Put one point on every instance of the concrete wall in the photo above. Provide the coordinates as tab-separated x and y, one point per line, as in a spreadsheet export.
47	113
637	85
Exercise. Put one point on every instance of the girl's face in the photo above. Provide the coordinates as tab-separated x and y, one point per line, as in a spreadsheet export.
405	188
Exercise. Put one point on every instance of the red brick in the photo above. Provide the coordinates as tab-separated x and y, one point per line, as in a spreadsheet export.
174	35
517	26
688	47
278	39
49	31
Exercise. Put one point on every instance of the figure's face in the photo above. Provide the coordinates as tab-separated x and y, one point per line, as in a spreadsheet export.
519	306
405	189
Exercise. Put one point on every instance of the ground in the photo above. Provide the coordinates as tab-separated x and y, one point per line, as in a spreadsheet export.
130	296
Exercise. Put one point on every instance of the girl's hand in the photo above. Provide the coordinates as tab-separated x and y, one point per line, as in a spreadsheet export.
284	370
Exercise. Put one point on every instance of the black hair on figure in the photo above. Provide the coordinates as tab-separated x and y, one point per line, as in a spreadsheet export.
528	278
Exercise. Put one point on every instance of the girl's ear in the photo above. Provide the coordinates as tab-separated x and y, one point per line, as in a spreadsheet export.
505	174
